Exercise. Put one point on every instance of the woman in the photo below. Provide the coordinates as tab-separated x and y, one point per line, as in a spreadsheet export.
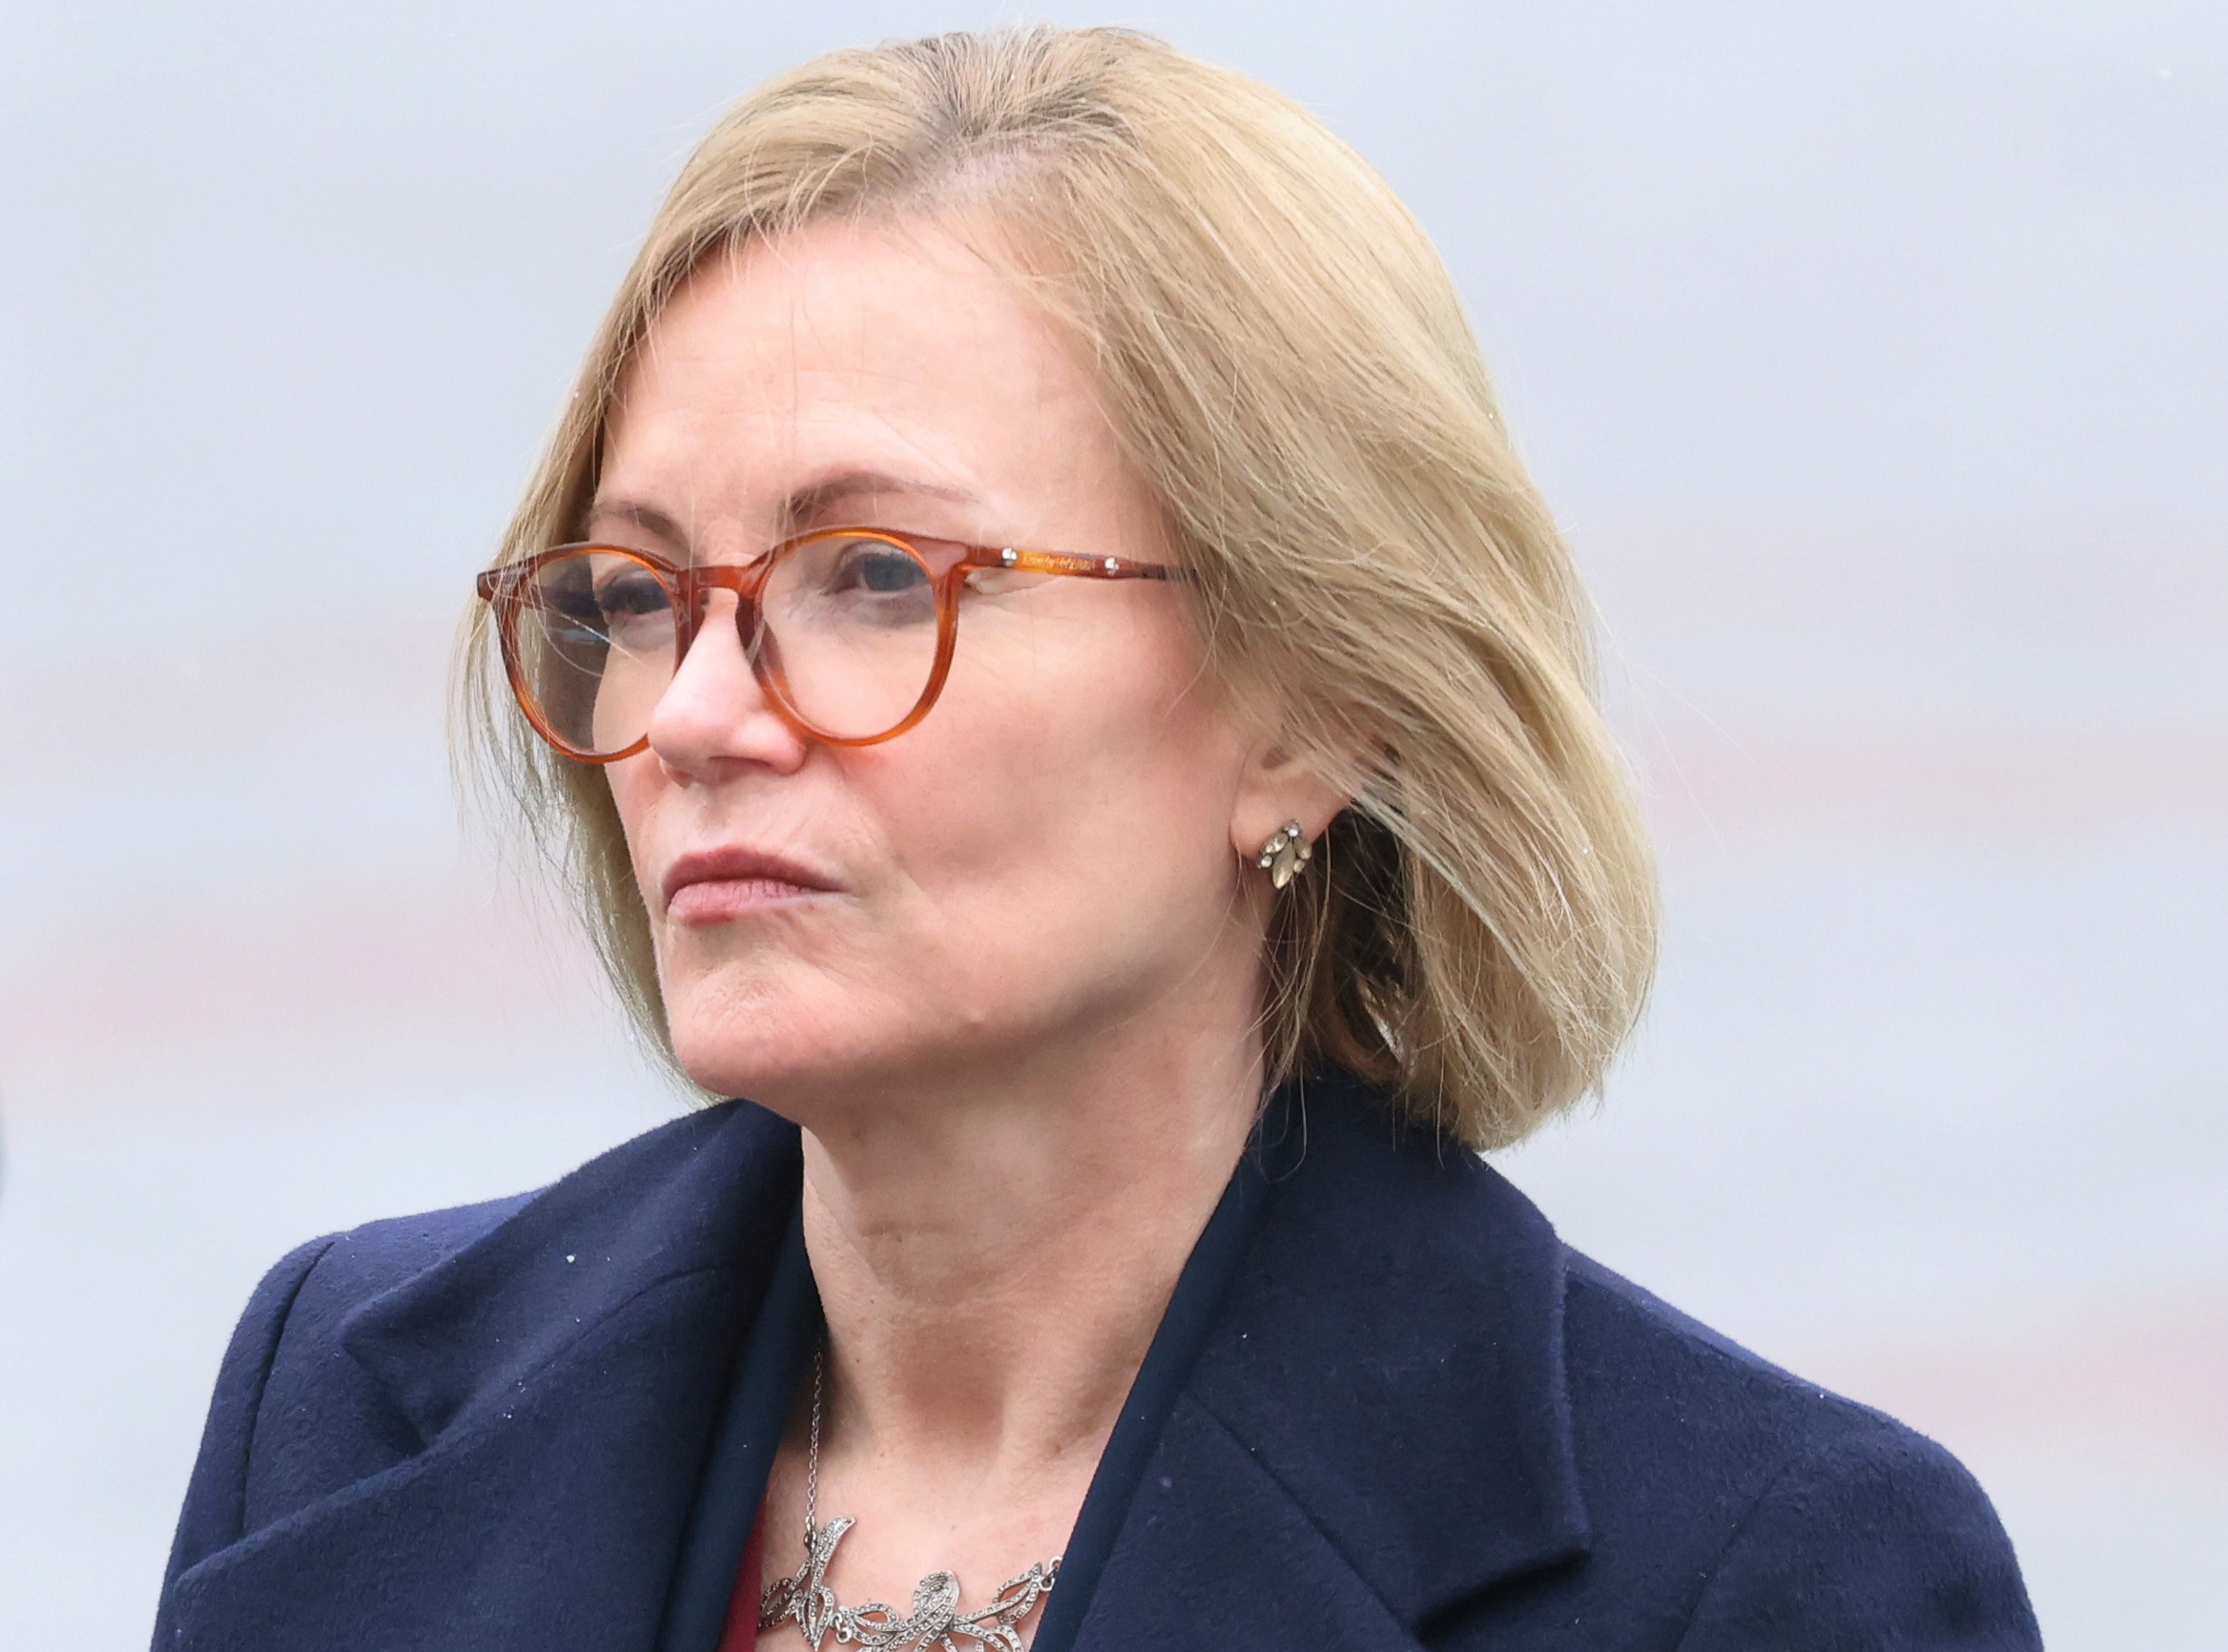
1053	684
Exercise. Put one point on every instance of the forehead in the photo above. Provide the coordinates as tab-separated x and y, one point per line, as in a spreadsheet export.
845	347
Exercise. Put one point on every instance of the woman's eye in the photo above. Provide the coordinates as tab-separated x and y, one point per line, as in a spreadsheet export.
574	609
623	598
880	573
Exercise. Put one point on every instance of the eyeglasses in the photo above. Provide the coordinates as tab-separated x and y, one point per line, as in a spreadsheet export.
849	631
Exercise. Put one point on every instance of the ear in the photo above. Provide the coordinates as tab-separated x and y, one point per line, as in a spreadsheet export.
1279	785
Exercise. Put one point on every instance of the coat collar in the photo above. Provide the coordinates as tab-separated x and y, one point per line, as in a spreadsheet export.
710	1195
561	1371
1383	1388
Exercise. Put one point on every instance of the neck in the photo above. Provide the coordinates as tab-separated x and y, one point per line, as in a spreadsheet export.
994	1262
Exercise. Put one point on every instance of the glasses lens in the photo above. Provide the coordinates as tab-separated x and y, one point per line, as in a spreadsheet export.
593	644
848	628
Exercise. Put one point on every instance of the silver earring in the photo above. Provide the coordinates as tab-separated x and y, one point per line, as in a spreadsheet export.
1285	855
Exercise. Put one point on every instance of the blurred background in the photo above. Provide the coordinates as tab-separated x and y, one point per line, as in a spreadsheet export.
1875	356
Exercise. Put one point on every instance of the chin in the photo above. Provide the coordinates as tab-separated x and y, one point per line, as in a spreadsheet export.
817	1038
759	1057
781	1045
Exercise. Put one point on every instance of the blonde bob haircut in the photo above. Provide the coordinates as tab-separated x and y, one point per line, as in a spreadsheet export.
1285	360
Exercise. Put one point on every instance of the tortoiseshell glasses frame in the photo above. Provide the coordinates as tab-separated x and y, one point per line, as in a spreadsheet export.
550	607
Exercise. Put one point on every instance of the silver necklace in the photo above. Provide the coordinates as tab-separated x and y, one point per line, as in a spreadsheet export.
936	1624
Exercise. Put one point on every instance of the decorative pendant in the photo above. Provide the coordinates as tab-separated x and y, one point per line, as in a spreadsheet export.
1285	854
936	1623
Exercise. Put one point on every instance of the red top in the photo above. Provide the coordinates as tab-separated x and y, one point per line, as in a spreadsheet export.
741	1634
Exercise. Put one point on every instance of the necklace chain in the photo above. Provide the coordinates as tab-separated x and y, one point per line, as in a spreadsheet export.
812	1450
934	1624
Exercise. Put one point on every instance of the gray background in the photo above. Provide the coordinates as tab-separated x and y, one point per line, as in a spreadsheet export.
1874	355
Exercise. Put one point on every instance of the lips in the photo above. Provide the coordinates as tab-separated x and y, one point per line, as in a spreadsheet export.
714	885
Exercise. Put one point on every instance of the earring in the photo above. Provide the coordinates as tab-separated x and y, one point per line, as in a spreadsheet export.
1285	855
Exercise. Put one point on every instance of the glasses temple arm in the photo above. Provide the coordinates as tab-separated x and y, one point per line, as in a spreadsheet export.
1061	562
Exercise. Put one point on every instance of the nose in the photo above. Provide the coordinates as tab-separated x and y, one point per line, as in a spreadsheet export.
714	717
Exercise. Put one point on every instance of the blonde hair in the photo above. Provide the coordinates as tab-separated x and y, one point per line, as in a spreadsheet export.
1285	359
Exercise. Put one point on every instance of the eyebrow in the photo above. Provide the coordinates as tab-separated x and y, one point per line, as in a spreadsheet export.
819	500
648	517
815	502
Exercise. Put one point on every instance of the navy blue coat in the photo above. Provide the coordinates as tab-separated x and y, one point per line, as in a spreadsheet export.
1409	1417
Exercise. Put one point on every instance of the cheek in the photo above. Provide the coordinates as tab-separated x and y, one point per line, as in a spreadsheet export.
1080	812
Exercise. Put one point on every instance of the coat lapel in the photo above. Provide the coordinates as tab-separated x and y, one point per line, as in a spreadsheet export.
1378	1428
558	1375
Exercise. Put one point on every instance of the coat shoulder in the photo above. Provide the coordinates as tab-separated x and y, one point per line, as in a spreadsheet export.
1767	1506
1669	1398
1618	1332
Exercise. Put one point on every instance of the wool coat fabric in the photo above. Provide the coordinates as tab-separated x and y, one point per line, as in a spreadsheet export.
1405	1415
